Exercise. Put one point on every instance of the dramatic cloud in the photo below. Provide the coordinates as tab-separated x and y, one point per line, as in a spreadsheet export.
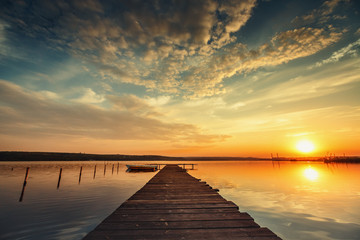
21	108
351	50
152	72
206	78
142	43
322	14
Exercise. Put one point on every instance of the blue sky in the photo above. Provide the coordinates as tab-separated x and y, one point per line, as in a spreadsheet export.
220	78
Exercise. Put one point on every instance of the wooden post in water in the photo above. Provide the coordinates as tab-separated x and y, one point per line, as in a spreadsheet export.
24	184
112	171
80	174
58	185
94	171
117	170
104	169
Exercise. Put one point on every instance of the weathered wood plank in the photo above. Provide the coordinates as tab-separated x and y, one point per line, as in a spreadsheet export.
176	197
177	217
190	236
208	224
129	204
136	211
263	232
176	201
259	234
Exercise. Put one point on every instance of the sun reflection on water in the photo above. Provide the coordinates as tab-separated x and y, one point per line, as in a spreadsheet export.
311	174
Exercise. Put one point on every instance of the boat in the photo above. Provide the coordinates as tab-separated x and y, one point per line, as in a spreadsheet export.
148	167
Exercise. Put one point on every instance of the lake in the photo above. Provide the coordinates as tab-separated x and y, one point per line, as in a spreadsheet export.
296	200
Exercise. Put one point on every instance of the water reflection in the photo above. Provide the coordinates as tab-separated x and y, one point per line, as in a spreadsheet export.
296	200
53	204
311	174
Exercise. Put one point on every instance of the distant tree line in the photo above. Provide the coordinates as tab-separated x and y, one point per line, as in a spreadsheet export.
55	156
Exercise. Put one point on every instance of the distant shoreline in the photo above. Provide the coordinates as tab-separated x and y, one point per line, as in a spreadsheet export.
59	156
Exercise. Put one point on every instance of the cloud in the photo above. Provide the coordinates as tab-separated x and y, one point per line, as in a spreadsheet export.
133	104
238	13
186	48
89	97
3	48
29	114
206	78
304	86
137	42
350	50
357	32
3	26
158	101
320	15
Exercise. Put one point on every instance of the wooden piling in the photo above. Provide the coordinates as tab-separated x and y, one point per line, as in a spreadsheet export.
94	171
175	205
24	184
80	174
58	184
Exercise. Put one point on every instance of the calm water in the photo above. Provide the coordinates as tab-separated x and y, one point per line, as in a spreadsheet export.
295	200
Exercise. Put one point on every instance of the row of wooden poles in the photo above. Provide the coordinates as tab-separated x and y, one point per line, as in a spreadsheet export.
59	179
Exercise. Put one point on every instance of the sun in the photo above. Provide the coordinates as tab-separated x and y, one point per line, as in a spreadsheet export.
305	146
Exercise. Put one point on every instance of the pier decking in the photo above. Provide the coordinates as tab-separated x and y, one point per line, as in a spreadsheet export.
175	205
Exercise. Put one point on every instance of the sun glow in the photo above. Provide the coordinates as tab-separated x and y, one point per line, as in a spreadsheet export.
311	174
305	146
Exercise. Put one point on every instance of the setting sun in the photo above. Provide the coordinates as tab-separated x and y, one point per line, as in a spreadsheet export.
305	146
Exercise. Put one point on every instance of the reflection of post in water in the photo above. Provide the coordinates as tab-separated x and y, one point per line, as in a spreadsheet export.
112	172
58	185
104	169
24	184
80	174
94	171
117	171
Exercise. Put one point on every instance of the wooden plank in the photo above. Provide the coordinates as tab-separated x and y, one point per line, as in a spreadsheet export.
192	236
176	201
129	204
175	205
259	234
122	217
176	225
136	211
177	197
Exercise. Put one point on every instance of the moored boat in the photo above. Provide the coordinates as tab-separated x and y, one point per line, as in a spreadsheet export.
134	167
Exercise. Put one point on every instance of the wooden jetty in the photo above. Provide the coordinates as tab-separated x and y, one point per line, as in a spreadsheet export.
175	205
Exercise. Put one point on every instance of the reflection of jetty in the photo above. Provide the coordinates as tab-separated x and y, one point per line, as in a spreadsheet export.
175	205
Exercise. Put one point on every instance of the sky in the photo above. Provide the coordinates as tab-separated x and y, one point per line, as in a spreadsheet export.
180	77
